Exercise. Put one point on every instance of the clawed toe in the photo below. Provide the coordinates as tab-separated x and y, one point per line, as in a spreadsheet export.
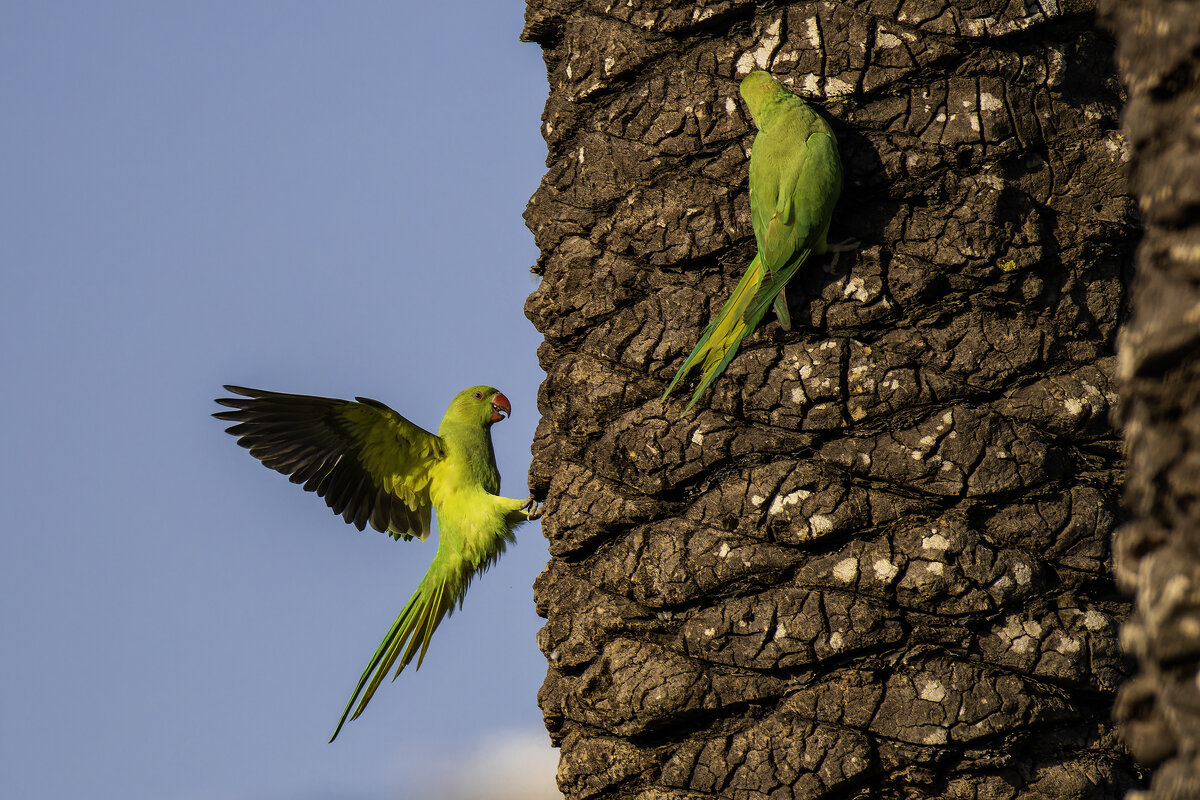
837	249
533	510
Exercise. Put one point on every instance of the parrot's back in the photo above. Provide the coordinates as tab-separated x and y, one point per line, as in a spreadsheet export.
795	180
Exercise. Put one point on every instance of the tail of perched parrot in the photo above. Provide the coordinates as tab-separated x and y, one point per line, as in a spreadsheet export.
720	341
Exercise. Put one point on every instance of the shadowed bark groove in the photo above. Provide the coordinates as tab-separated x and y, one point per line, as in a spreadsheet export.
873	561
1158	552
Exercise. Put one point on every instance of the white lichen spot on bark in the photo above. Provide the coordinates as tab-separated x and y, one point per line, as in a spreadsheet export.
935	541
1067	645
813	33
936	736
836	87
846	570
857	289
932	690
760	57
783	501
885	570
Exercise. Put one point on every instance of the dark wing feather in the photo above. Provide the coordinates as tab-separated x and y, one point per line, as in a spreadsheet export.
369	463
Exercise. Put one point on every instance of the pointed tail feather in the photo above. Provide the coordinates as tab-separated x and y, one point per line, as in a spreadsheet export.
721	338
414	627
765	297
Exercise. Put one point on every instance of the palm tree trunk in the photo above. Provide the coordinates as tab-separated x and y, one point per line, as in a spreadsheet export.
873	561
1158	550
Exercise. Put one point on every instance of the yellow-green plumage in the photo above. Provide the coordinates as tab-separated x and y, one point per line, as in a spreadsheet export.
795	180
374	467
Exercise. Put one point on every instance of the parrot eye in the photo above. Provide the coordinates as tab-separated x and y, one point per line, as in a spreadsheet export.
479	395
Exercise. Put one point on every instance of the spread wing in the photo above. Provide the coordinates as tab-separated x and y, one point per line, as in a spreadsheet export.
369	463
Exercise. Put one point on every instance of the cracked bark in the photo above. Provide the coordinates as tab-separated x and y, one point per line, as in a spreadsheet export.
874	560
1157	553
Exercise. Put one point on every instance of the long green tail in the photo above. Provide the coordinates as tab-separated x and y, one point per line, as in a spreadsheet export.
415	625
770	292
719	342
739	316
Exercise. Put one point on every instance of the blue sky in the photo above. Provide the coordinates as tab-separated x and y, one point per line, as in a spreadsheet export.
313	197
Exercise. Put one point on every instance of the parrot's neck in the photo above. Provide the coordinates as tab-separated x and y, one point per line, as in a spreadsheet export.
769	108
470	444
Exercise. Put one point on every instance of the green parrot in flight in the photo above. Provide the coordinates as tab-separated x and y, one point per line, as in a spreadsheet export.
795	180
375	467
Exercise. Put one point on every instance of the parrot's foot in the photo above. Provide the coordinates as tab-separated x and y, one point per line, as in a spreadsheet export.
845	246
533	510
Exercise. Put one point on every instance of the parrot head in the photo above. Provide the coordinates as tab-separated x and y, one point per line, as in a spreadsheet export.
483	403
757	88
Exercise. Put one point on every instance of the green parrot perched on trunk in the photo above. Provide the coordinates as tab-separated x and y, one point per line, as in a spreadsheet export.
795	180
375	467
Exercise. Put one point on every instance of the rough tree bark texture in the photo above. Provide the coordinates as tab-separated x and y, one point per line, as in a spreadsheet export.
874	561
1158	552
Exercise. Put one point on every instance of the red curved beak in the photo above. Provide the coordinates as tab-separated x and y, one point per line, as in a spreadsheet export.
500	407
